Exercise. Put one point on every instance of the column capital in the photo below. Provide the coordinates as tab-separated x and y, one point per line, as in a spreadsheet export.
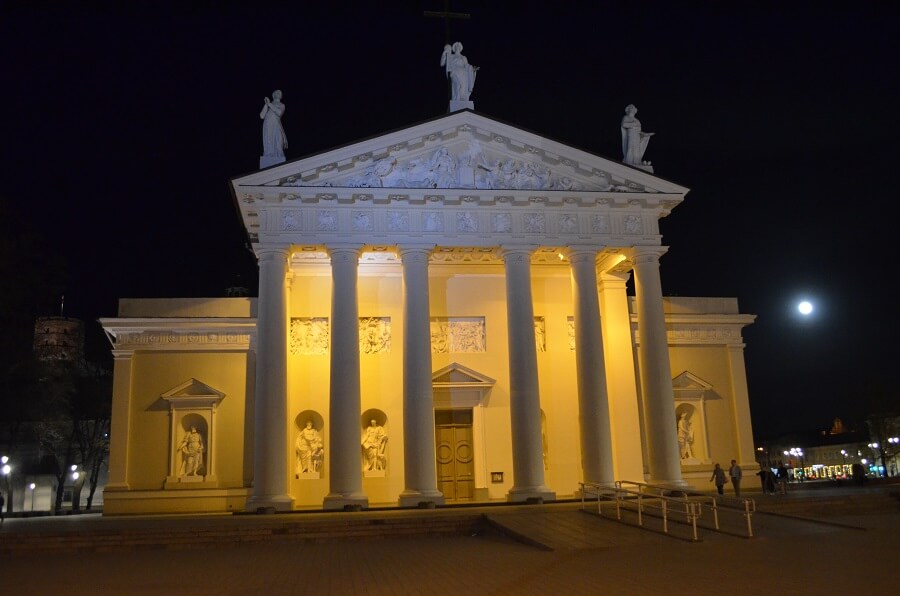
646	254
122	354
404	250
508	251
268	251
343	251
579	253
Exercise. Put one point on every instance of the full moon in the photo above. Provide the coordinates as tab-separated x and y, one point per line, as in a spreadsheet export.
805	307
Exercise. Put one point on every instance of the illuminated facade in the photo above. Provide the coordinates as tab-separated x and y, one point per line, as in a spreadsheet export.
442	317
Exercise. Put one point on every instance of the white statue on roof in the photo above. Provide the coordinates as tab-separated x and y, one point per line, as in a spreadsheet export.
274	139
461	73
634	141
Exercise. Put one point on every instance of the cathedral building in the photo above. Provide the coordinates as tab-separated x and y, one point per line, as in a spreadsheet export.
443	316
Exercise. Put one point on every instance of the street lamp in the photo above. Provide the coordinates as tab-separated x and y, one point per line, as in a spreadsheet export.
876	448
6	469
31	487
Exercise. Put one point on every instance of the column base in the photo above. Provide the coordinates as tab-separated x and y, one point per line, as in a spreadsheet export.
352	502
270	504
415	498
530	494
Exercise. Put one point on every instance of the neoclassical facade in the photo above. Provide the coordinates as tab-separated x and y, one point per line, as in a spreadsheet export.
443	316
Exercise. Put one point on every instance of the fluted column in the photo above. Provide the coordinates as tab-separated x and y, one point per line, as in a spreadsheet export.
270	465
524	394
418	402
345	488
656	372
593	397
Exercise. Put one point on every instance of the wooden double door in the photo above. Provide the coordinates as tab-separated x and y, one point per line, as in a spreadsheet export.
455	454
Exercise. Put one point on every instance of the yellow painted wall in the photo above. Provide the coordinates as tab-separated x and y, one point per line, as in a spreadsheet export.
155	373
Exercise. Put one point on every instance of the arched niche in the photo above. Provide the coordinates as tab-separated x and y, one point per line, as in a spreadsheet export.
309	445
691	394
374	441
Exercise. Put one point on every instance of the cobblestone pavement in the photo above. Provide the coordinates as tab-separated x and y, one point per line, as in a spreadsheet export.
787	556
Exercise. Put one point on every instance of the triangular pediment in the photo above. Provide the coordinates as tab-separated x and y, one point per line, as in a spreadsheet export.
456	374
462	150
192	391
689	386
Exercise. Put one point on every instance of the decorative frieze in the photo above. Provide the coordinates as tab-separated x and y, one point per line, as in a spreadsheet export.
310	336
458	335
171	339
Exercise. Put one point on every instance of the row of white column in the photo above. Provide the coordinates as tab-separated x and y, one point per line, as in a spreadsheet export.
270	488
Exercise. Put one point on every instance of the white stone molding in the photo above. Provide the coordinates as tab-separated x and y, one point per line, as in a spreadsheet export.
181	334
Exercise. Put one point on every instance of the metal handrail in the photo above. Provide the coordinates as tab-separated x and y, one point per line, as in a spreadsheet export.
688	503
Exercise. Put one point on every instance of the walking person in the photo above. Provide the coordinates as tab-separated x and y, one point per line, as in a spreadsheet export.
718	476
782	477
735	472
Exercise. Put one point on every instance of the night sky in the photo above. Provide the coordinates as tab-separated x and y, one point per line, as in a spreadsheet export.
121	130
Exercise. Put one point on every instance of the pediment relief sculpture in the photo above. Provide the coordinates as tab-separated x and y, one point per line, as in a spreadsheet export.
467	165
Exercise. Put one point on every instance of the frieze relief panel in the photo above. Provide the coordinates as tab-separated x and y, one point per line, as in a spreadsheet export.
457	335
374	335
309	336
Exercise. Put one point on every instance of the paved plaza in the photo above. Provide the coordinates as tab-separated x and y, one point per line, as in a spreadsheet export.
847	553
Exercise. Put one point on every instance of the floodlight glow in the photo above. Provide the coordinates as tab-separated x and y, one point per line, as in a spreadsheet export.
6	469
805	307
74	475
4	459
31	486
73	467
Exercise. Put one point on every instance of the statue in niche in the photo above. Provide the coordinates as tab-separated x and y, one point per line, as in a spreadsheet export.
634	141
310	450
191	449
373	444
274	139
685	436
461	73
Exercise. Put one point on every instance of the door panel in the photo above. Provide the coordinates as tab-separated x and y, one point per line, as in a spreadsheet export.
455	454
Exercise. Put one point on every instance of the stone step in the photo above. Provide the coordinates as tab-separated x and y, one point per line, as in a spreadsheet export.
233	530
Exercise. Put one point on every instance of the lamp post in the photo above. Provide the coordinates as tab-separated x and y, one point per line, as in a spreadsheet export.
6	470
31	487
876	451
894	442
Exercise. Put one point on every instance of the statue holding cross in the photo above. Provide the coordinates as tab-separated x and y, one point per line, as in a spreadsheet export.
461	73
